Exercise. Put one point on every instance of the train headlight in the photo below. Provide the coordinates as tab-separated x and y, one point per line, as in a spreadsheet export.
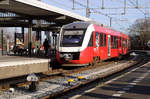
67	56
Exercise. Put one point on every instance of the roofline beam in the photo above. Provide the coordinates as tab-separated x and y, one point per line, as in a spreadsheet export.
13	23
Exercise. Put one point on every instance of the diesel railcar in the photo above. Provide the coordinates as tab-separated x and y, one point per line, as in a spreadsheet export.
84	43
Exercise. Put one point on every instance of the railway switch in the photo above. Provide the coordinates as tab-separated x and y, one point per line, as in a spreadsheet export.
80	77
70	81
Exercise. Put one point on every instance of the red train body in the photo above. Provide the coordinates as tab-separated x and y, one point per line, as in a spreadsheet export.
81	43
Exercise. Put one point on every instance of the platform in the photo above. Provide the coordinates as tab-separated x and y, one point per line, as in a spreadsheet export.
13	66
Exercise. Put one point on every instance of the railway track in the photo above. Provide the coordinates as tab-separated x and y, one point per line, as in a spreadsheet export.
100	81
21	81
60	77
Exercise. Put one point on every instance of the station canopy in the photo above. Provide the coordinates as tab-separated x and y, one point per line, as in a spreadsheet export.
18	13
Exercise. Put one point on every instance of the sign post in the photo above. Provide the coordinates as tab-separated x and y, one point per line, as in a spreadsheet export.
2	42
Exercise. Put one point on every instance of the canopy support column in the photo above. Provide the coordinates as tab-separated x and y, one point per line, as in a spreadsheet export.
30	38
2	42
23	33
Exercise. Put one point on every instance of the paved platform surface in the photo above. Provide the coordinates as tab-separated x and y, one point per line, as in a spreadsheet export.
132	85
13	66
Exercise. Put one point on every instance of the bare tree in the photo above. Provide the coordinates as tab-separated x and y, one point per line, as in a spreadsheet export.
140	33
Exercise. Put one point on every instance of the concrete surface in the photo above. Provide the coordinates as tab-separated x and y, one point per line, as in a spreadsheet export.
13	66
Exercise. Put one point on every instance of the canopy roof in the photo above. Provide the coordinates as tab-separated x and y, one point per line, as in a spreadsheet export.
17	13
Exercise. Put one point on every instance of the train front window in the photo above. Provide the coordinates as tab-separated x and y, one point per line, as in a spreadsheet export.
72	38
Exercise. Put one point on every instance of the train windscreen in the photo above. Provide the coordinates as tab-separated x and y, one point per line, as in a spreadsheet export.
72	38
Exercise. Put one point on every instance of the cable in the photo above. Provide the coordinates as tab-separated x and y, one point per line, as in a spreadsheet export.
137	8
85	6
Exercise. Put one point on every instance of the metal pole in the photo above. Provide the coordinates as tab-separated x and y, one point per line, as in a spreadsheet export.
15	38
102	4
7	46
23	34
2	42
73	5
87	9
136	4
40	37
30	37
146	32
110	21
124	7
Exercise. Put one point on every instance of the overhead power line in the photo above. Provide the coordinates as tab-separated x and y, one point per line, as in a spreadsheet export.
99	8
89	10
136	6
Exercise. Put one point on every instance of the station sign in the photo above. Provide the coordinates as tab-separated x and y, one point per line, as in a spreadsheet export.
4	2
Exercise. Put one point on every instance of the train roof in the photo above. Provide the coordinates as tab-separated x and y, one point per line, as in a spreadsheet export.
97	26
125	36
77	25
95	23
107	30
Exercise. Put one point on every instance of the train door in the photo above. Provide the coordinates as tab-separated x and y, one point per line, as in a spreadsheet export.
102	50
120	50
122	45
96	47
109	47
105	47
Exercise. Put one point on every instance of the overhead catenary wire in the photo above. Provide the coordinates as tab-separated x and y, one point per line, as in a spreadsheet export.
136	6
81	5
95	11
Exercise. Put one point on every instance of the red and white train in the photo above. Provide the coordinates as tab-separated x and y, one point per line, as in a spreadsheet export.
83	43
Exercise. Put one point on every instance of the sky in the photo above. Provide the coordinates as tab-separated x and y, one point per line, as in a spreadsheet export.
112	8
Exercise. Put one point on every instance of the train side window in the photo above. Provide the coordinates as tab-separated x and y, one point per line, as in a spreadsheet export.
117	41
91	40
97	39
123	43
120	42
104	39
112	40
101	39
126	43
